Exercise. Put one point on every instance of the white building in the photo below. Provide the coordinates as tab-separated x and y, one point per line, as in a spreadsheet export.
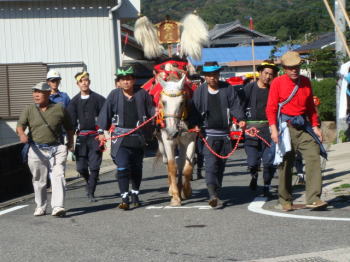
67	35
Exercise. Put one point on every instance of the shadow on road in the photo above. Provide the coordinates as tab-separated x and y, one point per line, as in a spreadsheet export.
334	175
72	212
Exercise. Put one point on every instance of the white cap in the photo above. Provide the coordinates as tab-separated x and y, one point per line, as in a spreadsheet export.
53	74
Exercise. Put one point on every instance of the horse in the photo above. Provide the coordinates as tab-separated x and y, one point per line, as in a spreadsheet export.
174	133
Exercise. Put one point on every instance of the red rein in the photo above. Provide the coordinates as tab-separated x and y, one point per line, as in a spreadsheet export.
253	131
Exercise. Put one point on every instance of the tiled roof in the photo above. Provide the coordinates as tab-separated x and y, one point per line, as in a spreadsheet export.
221	29
324	40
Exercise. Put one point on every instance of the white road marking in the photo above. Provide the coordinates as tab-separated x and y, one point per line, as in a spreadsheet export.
154	207
258	203
11	209
180	207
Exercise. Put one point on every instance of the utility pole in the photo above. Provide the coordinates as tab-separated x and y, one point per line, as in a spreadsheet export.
341	53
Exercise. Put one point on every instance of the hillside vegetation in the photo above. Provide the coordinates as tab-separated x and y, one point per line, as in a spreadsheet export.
285	19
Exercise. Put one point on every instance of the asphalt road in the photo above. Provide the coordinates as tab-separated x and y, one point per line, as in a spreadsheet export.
154	232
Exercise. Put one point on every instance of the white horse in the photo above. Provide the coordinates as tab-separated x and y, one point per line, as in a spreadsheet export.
173	109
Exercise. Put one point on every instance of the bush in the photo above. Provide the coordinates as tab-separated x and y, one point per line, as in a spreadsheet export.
323	62
325	90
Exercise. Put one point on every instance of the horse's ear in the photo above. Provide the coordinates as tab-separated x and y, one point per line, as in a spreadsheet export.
182	81
161	82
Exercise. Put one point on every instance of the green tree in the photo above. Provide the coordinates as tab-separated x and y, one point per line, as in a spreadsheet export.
325	90
323	62
282	33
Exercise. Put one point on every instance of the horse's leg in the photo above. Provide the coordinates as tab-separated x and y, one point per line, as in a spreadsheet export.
169	146
164	157
188	168
175	200
161	148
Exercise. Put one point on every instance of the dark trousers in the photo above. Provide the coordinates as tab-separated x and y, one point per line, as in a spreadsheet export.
129	168
88	160
214	166
199	152
256	153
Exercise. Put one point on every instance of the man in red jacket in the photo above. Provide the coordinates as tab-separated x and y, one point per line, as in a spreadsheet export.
299	113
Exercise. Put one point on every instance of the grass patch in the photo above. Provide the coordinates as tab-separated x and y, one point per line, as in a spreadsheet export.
343	186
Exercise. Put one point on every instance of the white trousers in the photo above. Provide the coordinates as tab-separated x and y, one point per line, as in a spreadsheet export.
44	161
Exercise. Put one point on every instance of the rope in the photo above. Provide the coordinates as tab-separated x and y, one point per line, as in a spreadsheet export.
103	142
253	131
216	154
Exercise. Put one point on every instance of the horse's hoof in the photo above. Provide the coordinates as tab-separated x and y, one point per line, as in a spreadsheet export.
175	203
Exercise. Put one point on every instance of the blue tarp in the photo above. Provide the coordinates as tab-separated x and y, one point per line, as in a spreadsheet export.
239	53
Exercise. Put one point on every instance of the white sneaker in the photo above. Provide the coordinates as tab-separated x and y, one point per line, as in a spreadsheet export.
39	212
58	212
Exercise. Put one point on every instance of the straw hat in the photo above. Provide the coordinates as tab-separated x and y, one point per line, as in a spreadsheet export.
290	59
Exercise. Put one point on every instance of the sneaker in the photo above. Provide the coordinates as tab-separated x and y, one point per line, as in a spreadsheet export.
135	200
124	204
213	202
317	205
58	212
253	185
39	212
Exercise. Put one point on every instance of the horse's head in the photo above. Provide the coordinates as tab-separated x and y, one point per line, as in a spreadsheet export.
172	104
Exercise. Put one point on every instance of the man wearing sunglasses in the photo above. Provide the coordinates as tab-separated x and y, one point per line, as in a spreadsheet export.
53	79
